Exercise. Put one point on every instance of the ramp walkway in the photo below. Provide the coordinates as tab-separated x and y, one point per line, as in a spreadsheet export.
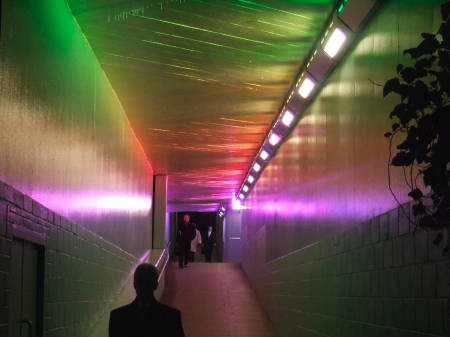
215	300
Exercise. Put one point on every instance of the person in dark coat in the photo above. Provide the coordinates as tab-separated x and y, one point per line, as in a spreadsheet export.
209	242
145	316
186	233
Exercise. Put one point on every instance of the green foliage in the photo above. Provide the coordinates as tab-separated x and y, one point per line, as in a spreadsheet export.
422	119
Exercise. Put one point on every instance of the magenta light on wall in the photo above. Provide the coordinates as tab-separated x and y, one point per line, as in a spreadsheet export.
96	202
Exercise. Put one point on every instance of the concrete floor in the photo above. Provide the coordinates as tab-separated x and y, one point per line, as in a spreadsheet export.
215	300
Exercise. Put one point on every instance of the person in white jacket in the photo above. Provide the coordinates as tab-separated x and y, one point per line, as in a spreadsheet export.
195	241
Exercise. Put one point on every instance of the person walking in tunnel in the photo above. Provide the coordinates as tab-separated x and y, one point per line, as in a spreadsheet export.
197	240
185	235
209	243
145	316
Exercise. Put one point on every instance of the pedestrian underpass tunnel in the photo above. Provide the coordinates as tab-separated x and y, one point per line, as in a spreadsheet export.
263	119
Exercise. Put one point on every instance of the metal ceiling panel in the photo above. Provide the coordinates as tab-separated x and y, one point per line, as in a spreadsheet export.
201	81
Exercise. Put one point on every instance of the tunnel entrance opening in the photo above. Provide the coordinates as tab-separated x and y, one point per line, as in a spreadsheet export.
202	221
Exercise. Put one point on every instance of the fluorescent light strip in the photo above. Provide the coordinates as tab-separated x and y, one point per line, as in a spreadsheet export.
264	155
335	42
287	119
257	167
306	87
274	139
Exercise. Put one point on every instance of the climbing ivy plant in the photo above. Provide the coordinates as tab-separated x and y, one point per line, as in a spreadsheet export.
422	122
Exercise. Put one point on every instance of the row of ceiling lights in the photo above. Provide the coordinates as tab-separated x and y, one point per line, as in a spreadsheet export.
341	29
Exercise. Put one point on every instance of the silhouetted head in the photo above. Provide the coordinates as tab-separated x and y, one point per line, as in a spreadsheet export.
186	218
210	228
145	280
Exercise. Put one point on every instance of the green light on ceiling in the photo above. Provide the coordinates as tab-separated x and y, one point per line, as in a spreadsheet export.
203	30
341	7
171	46
274	9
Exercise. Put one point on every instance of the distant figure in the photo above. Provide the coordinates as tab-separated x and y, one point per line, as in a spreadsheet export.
208	243
197	240
186	233
145	316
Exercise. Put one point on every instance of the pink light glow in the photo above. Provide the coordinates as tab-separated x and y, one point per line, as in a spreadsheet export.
289	208
237	205
95	202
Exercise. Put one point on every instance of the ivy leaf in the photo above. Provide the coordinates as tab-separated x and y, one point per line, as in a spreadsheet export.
391	85
416	194
388	134
402	158
428	176
438	239
427	46
445	10
398	109
399	68
414	52
427	221
418	209
409	74
404	145
425	62
395	126
444	58
444	81
444	30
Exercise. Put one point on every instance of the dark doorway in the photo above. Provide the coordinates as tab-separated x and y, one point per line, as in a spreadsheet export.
26	299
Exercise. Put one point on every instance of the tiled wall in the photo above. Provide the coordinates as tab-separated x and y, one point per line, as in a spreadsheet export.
84	273
323	242
380	278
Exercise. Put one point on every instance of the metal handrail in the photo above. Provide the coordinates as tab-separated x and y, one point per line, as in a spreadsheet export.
162	261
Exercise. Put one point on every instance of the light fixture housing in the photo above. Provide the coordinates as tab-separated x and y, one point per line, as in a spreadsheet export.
274	139
288	118
355	12
306	86
264	155
339	33
333	44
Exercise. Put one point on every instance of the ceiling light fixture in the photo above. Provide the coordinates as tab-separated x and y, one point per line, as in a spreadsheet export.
241	196
256	167
251	179
264	155
287	119
274	139
306	87
335	42
245	188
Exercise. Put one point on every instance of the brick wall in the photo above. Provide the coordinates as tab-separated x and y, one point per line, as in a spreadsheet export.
84	274
380	278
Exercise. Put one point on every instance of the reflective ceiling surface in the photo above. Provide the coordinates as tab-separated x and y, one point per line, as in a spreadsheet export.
201	81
